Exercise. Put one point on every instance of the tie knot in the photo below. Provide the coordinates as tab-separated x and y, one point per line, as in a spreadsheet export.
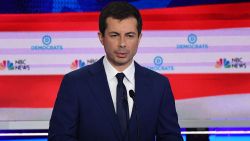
120	77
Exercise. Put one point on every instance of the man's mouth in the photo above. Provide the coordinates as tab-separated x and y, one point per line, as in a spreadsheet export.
121	54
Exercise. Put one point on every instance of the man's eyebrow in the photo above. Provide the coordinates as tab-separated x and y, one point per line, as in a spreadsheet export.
113	32
131	33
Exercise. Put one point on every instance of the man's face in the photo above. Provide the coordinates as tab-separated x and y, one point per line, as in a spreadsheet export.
120	41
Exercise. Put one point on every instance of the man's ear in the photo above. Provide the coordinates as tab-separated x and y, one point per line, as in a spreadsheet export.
100	37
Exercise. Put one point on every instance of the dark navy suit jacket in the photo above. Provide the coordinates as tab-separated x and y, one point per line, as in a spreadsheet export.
84	109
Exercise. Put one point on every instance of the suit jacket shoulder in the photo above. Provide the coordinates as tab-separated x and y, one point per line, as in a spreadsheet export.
86	72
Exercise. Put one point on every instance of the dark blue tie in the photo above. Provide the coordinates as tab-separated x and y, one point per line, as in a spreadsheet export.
122	104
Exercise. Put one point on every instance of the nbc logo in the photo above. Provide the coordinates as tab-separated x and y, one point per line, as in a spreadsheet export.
77	64
6	64
3	65
223	63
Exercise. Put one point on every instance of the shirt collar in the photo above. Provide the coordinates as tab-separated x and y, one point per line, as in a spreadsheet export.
111	71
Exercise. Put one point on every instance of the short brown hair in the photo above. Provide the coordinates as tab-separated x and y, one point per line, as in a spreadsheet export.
119	10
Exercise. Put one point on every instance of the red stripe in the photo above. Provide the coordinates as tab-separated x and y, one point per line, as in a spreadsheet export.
203	85
29	91
41	91
192	17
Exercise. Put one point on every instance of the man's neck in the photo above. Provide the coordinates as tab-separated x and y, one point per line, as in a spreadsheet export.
118	67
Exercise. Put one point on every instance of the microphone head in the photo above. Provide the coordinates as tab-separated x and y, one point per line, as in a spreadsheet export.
132	94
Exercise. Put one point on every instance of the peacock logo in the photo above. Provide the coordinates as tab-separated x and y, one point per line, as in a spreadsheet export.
6	64
77	64
223	62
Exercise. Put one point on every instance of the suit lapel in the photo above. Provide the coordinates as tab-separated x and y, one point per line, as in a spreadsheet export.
142	91
101	92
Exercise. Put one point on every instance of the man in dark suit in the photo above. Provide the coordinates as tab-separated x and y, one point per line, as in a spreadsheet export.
93	102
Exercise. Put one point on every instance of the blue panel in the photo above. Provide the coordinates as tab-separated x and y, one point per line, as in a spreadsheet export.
184	137
229	129
229	137
43	139
39	6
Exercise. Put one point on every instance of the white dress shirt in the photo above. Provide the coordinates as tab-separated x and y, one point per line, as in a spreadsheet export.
129	81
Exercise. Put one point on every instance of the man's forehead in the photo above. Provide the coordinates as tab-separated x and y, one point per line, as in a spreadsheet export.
124	24
112	19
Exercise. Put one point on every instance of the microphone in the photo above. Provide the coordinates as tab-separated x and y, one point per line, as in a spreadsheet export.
132	95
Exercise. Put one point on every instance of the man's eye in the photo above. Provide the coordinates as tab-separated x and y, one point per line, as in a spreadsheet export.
130	35
113	35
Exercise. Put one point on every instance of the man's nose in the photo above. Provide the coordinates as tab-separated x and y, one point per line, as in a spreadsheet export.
122	42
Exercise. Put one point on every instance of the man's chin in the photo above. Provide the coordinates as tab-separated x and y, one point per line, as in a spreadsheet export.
122	62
